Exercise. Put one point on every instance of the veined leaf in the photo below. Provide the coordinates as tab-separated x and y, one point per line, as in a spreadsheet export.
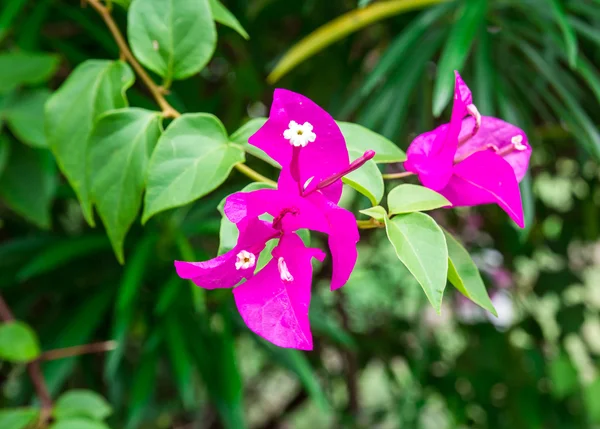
407	198
174	38
367	180
18	342
93	88
464	275
23	68
421	246
120	147
456	51
222	15
192	157
361	139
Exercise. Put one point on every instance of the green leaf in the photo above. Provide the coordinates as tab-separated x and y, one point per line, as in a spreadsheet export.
367	180
526	187
407	198
361	139
464	275
119	151
591	393
242	135
421	246
18	342
567	30
192	157
9	13
29	169
18	418
25	117
78	423
24	68
174	38
81	403
456	50
93	88
563	375
4	152
221	14
378	213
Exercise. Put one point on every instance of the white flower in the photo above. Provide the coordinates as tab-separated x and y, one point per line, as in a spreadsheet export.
245	260
284	273
517	142
299	135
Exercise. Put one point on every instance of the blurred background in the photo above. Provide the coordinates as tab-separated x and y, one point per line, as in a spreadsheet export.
382	358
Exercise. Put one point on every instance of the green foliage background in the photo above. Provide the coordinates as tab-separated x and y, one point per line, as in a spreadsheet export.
383	358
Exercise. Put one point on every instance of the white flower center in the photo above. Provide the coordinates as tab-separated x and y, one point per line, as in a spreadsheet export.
517	142
299	135
284	273
245	260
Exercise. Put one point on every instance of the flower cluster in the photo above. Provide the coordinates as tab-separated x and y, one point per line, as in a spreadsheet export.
274	302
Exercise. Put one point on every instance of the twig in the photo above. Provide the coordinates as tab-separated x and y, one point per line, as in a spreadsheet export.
84	349
34	370
397	175
157	91
369	224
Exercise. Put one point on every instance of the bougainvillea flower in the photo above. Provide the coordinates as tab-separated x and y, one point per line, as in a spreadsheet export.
473	159
274	300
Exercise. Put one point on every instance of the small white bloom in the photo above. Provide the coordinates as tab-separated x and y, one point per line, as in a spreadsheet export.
245	260
299	135
517	142
284	273
472	109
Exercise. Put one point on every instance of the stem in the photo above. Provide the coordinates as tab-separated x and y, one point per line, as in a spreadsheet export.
397	175
168	111
67	352
34	370
369	224
254	175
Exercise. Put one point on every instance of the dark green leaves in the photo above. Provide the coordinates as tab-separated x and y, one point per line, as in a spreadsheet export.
464	275
174	38
81	403
408	198
222	15
21	68
567	30
362	139
192	157
18	342
119	150
93	88
456	50
37	166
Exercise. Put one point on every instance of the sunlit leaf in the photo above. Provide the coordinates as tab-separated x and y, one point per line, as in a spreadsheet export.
18	342
81	403
192	157
378	213
361	139
408	198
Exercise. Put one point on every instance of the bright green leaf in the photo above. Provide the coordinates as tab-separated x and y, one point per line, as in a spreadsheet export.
24	68
25	117
18	418
78	423
119	150
421	246
192	157
221	14
18	342
367	180
464	275
38	167
456	50
361	139
93	88
378	213
407	198
174	38
81	403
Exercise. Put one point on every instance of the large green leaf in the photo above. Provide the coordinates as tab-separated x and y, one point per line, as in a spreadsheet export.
192	157
421	246
174	38
81	403
28	184
464	275
367	179
362	139
119	150
18	342
456	50
93	88
25	117
18	418
407	198
24	68
221	14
